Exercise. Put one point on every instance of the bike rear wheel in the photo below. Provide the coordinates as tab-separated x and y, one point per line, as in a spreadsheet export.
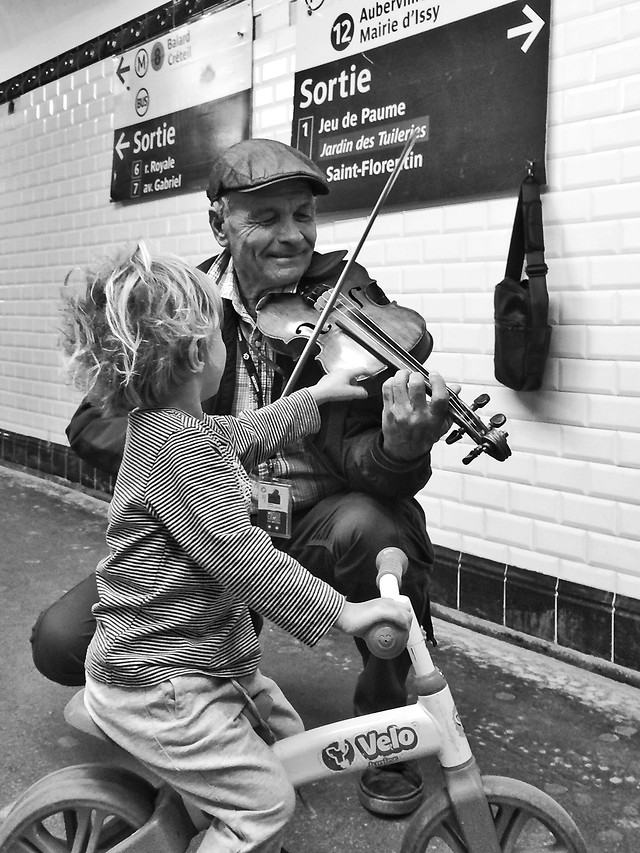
88	808
526	820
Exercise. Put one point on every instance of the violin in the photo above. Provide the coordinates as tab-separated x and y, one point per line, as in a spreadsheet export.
355	321
378	335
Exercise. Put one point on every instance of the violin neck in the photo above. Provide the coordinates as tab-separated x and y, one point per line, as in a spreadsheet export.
372	337
378	342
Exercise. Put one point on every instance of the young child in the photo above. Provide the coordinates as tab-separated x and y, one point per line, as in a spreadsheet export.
172	671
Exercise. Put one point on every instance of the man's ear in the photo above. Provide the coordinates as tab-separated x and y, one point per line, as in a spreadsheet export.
216	223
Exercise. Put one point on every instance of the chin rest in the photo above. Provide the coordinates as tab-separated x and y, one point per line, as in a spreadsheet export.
76	714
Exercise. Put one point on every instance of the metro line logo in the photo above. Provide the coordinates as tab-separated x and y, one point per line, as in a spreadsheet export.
373	746
141	62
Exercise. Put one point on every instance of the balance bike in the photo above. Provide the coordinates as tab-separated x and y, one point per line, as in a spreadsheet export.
123	808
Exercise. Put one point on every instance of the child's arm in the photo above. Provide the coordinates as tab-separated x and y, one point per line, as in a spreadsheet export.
205	513
193	490
256	435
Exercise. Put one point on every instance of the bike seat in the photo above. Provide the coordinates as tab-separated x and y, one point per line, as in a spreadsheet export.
76	714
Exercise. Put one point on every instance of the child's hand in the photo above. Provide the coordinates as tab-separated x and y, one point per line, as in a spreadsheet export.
357	617
338	385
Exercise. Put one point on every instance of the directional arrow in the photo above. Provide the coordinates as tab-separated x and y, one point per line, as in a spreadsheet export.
120	144
531	29
122	69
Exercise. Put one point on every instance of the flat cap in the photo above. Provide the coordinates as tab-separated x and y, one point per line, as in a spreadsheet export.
256	163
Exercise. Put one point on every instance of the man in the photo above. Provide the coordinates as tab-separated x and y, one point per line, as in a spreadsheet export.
342	496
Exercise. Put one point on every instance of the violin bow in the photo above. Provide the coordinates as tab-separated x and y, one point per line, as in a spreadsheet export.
339	285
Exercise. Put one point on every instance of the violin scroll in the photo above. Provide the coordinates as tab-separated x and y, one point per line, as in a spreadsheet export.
489	439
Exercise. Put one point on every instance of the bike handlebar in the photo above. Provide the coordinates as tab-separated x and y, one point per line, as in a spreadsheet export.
391	561
385	639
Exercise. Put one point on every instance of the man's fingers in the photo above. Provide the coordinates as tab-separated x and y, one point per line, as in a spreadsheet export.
404	388
439	396
416	390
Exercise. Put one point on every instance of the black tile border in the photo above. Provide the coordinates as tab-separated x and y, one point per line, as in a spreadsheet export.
444	585
482	585
530	603
117	40
626	632
535	610
558	617
46	458
584	619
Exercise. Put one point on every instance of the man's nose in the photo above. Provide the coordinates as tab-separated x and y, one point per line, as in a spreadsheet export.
290	230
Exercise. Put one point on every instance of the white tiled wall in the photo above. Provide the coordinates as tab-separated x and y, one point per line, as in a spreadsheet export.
567	503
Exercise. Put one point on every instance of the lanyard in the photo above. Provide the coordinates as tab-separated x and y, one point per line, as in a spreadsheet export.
250	366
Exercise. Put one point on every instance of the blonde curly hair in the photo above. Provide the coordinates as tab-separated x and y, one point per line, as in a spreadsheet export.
132	334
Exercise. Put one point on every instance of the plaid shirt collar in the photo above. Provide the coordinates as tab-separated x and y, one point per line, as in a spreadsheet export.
224	274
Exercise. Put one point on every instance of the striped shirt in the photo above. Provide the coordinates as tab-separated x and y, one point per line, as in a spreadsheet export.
185	562
295	463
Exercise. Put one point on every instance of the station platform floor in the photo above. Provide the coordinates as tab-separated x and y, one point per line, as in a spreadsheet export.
567	730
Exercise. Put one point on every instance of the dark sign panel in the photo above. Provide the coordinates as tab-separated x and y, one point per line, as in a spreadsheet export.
475	88
174	153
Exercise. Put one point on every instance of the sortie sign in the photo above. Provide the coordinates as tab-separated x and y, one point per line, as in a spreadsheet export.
183	98
470	75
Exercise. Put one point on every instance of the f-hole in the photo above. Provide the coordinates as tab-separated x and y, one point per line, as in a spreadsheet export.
356	299
305	330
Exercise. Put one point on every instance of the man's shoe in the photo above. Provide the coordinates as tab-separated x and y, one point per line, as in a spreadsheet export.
395	789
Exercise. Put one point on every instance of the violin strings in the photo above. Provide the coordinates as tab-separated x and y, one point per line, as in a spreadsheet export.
366	326
356	318
359	319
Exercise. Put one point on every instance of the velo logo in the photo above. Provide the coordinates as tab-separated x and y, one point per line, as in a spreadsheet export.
373	746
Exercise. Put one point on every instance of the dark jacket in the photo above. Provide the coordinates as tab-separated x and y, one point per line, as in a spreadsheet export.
349	442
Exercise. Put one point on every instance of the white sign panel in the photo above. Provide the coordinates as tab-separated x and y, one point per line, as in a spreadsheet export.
184	96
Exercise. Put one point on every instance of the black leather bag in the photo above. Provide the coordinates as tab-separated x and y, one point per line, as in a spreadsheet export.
521	307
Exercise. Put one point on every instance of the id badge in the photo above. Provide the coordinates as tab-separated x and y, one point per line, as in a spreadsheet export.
275	507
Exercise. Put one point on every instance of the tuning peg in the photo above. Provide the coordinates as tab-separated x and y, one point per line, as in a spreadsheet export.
454	436
497	421
477	450
480	402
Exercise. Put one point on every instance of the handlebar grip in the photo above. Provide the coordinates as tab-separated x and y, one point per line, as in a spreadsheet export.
391	561
386	640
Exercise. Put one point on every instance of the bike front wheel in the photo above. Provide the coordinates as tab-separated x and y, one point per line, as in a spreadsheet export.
526	821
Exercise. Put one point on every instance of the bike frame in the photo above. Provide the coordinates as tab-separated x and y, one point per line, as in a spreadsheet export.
429	727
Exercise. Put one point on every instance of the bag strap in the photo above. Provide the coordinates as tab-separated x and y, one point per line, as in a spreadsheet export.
527	240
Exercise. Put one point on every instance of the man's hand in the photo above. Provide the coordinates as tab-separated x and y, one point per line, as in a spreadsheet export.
412	421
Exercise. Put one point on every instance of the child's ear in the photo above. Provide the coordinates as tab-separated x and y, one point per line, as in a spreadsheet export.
198	355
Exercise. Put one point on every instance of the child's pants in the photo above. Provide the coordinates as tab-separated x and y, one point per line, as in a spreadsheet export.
194	731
